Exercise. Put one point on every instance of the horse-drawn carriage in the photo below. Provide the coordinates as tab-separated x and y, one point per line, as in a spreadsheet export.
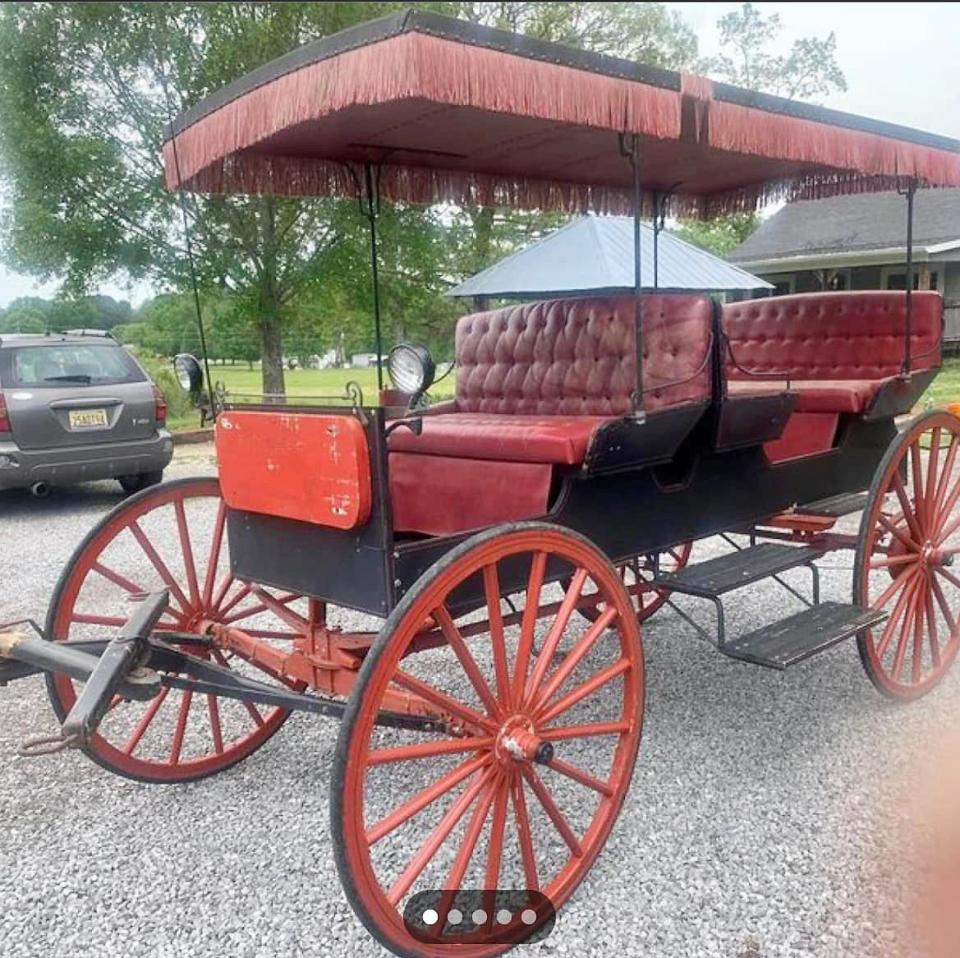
462	584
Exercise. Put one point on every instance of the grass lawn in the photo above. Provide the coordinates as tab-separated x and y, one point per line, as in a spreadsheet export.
331	382
312	383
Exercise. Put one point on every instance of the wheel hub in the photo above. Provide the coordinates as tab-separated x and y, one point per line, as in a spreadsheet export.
518	742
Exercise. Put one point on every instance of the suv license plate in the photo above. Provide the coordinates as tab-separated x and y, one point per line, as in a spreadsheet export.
88	418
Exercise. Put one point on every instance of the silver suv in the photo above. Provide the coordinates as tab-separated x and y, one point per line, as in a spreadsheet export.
77	406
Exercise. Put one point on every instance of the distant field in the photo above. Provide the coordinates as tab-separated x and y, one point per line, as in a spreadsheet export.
314	383
331	382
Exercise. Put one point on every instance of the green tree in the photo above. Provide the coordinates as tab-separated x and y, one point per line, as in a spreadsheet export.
808	70
720	235
85	92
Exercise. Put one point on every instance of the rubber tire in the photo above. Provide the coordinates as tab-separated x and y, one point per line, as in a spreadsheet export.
141	481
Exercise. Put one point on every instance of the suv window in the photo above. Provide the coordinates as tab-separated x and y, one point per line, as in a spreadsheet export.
68	364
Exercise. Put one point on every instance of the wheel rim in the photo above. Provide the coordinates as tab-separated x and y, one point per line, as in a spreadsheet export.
909	536
481	811
169	536
638	574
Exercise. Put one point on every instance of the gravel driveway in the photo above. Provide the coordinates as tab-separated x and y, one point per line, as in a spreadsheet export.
766	815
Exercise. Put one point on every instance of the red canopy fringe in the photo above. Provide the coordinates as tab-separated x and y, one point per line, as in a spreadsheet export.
419	66
741	129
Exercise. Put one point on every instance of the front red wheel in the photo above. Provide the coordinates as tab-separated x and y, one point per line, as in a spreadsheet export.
170	536
542	716
909	540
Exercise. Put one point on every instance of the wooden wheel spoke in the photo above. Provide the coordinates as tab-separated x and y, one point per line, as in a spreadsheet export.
117	579
216	729
573	659
187	549
888	562
555	634
228	582
944	605
899	608
180	730
491	589
252	710
524	834
280	608
444	702
582	691
469	665
553	813
930	489
948	531
579	775
913	455
917	658
904	639
437	837
408	753
949	576
161	567
498	824
897	532
907	507
88	618
898	583
932	626
213	560
944	480
144	723
561	732
425	797
477	820
528	623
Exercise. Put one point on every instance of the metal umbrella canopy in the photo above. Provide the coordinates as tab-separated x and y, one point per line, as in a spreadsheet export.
595	254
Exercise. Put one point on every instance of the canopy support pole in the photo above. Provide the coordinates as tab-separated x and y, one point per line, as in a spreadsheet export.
370	207
630	148
910	193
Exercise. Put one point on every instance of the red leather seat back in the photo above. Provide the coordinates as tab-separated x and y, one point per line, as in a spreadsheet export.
841	335
578	357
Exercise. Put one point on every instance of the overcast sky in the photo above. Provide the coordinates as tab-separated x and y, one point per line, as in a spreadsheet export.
899	60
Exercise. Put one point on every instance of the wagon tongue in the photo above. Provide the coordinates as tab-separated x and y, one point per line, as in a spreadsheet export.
116	671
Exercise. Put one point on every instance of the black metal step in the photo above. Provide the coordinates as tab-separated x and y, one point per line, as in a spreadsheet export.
799	636
835	506
727	572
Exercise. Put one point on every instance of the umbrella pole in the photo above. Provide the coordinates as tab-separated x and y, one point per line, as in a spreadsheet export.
910	192
630	148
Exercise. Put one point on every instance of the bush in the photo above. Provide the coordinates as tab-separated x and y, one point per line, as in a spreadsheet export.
161	372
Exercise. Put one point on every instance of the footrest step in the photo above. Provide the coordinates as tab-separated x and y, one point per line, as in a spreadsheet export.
835	506
796	638
728	572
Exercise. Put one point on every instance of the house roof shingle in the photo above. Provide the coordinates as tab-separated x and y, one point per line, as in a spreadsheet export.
864	221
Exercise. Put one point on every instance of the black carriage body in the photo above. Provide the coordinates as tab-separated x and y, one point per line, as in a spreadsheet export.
699	491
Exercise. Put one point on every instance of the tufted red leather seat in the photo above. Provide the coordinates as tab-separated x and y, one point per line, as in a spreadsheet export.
837	348
535	380
562	440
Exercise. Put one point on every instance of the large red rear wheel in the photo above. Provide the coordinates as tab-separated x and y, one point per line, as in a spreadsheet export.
909	538
522	789
638	574
170	536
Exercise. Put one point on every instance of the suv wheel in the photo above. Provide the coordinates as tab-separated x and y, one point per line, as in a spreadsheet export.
140	481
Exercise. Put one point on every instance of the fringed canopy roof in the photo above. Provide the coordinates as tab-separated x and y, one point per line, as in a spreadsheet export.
451	111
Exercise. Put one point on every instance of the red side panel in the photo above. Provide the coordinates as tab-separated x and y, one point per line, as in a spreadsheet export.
305	466
440	495
806	434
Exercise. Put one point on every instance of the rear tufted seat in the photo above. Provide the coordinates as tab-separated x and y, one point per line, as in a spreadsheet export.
834	351
535	381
